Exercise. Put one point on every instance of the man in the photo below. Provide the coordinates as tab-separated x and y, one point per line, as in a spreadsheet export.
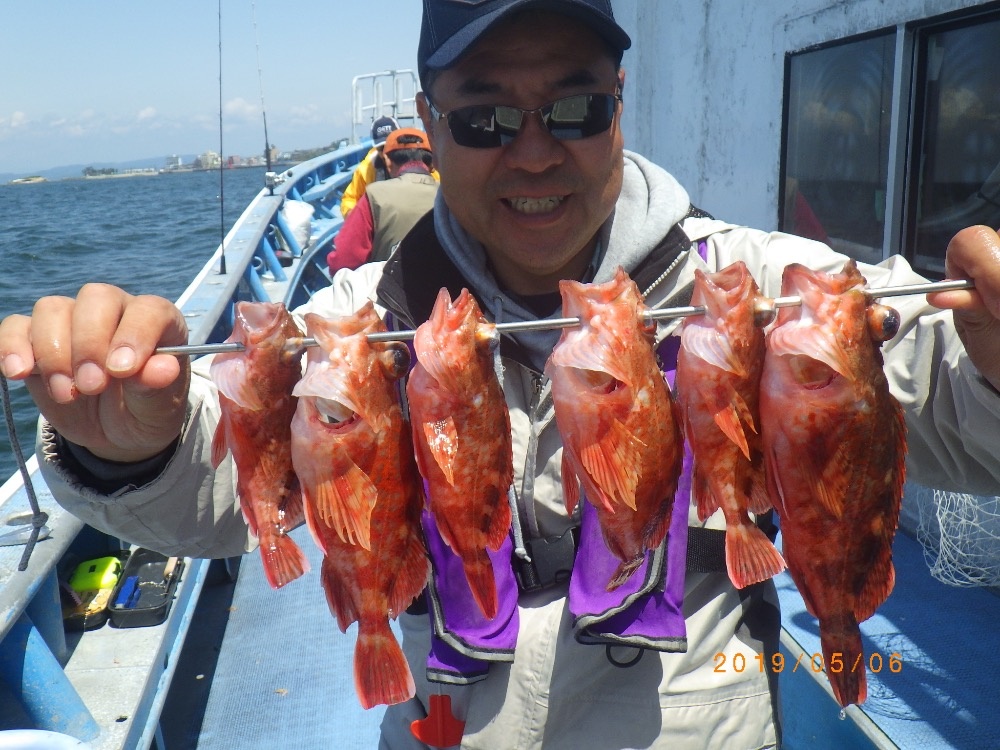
522	105
388	209
372	168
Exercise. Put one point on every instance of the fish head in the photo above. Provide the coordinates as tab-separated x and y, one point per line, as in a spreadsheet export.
455	341
834	331
347	378
731	323
267	332
599	350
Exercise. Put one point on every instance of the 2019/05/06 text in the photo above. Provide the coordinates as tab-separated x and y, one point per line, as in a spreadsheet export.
777	662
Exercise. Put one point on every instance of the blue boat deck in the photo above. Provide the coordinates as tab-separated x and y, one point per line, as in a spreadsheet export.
933	656
265	668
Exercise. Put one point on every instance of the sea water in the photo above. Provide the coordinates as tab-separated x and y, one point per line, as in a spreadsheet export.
147	234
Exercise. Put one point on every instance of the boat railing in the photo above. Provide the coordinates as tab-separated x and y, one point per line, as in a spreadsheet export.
388	93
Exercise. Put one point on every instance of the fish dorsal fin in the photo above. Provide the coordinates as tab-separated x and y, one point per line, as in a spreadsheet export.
611	463
441	438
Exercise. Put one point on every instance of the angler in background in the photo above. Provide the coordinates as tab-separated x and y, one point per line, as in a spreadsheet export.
522	101
388	209
373	168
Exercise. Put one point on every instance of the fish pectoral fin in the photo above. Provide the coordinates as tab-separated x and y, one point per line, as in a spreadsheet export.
833	484
570	483
441	438
220	447
344	502
613	463
729	419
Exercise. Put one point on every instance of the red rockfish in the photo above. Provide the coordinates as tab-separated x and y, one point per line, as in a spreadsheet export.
352	451
834	447
461	434
718	389
255	393
618	422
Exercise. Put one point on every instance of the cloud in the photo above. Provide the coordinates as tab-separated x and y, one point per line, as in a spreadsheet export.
18	119
146	113
239	108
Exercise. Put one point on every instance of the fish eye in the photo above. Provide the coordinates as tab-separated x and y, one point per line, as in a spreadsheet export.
396	360
883	322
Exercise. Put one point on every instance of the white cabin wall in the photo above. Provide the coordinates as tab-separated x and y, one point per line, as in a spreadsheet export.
704	86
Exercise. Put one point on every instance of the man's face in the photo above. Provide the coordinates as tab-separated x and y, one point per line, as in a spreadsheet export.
535	203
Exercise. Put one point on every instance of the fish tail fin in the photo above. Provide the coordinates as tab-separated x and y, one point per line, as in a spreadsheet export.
750	555
283	559
381	674
624	572
479	573
845	659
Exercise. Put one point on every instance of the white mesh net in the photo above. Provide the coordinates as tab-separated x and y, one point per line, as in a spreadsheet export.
960	535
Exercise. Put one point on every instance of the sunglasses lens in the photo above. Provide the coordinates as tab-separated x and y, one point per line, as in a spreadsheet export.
577	117
475	127
568	119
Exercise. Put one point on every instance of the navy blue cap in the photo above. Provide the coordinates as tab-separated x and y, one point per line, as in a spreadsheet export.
450	27
381	129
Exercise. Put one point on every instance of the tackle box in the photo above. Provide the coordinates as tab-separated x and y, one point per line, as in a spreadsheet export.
88	592
145	589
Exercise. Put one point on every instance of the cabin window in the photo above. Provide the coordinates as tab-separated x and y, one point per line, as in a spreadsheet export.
840	138
958	138
836	158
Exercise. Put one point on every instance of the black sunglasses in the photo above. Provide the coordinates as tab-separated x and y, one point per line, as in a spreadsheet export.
568	119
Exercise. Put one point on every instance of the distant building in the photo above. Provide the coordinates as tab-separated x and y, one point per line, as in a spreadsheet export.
208	160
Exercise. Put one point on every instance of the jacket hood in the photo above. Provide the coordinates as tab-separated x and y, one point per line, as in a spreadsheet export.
650	203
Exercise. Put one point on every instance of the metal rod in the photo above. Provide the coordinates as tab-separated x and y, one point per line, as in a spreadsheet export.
556	323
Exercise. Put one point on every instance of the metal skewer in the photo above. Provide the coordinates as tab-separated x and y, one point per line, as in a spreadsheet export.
557	323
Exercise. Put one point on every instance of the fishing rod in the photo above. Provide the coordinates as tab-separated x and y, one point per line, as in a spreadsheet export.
549	324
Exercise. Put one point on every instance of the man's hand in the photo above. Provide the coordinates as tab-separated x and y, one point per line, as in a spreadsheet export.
90	367
974	253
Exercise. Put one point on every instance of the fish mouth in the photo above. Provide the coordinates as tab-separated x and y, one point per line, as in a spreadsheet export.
810	373
334	414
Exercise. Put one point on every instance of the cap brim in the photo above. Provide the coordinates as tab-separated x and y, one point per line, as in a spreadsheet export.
448	53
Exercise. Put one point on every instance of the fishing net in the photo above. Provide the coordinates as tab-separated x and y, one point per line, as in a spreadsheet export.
960	535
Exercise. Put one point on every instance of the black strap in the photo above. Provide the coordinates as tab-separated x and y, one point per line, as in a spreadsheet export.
706	548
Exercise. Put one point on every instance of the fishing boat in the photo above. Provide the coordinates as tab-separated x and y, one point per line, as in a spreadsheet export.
235	664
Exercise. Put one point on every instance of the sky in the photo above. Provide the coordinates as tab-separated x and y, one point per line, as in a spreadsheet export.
122	80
